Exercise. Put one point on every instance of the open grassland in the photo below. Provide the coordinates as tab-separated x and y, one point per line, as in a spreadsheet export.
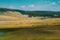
11	19
37	33
41	29
30	23
15	26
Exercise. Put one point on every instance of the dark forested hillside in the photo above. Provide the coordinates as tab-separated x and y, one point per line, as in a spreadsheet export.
35	13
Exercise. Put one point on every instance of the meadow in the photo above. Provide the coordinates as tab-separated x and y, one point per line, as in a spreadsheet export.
30	23
43	29
21	27
37	33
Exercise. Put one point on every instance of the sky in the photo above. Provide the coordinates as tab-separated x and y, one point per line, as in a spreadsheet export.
31	5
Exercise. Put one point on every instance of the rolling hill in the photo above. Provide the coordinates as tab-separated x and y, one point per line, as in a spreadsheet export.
34	13
10	18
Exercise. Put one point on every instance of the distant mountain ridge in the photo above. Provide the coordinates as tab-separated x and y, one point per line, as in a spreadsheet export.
34	13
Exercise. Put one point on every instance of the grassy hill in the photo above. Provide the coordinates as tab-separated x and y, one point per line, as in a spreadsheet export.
10	18
34	13
20	25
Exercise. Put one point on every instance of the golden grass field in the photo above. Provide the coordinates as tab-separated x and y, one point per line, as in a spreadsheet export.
29	22
21	27
17	20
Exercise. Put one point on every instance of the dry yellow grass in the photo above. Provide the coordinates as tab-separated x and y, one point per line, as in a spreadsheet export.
28	23
14	19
